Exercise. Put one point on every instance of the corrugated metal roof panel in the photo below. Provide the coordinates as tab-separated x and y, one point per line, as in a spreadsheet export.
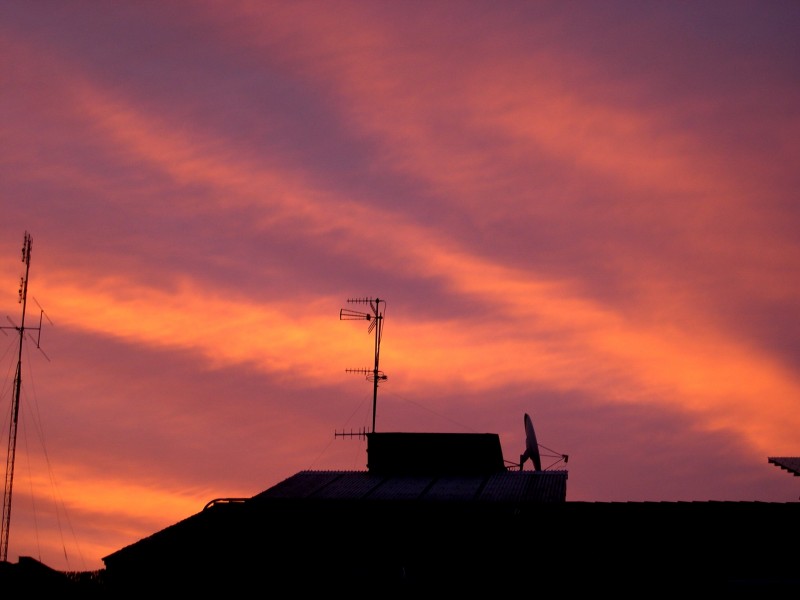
401	488
508	487
301	485
349	486
526	486
500	488
455	489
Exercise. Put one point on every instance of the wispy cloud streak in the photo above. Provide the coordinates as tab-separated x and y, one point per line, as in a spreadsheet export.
572	214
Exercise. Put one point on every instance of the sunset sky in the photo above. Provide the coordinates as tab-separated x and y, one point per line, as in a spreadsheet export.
584	211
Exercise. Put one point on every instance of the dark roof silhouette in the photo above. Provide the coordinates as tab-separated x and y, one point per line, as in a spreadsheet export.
787	463
461	522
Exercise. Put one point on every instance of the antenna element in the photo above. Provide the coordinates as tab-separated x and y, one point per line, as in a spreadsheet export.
12	435
376	324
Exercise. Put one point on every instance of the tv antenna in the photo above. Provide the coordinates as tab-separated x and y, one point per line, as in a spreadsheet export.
12	435
376	325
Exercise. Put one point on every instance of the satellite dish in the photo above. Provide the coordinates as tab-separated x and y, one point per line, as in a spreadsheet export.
531	446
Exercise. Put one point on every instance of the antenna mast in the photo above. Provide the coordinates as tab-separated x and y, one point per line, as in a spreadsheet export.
12	436
376	325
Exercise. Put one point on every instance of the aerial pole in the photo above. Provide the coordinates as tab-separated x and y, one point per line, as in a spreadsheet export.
376	325
12	435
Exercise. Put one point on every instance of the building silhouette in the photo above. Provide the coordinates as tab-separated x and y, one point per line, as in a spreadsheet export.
445	514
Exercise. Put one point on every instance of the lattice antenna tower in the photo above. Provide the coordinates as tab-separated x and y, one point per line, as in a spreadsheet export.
21	329
375	319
